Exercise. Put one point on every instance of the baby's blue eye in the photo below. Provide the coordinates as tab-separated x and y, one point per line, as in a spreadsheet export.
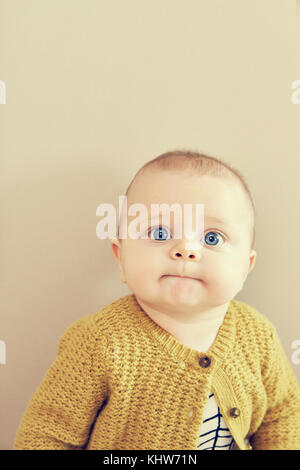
212	238
160	233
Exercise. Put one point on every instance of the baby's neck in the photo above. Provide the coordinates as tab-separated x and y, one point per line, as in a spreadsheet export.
198	334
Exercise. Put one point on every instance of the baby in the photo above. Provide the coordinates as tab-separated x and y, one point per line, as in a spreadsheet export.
178	364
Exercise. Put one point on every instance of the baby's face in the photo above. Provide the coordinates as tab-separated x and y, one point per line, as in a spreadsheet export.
218	263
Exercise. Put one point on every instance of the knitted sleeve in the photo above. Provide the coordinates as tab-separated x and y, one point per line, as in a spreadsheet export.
62	409
280	429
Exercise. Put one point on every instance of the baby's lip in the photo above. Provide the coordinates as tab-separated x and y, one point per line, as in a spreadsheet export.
179	275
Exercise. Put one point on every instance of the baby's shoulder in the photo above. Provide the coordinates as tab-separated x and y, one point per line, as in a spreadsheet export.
251	320
102	323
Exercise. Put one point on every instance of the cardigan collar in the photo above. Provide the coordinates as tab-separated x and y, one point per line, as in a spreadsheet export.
218	351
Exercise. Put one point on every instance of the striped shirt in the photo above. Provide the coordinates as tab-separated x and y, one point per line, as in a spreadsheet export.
214	434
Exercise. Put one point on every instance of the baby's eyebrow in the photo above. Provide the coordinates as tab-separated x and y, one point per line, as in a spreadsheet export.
211	218
219	221
225	223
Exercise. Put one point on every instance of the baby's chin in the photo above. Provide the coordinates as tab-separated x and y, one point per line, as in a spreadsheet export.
180	299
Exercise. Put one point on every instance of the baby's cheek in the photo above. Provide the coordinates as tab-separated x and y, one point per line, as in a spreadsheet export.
142	286
138	274
218	274
227	281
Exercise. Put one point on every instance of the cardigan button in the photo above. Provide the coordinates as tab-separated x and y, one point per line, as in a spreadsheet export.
234	412
205	361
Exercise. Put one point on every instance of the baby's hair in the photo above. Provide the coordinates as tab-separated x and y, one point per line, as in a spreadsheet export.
201	164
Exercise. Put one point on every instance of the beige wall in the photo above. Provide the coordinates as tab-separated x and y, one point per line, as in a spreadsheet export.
96	88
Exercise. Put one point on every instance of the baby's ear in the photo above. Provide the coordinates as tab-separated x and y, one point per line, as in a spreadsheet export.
115	248
252	260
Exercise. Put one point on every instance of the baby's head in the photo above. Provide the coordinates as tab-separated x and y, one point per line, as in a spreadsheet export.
159	269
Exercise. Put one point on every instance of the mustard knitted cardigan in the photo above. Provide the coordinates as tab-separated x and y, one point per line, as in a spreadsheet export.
120	381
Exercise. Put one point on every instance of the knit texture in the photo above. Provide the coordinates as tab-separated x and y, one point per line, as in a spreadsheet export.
120	381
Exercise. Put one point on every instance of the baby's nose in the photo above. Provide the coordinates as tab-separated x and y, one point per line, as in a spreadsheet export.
187	253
